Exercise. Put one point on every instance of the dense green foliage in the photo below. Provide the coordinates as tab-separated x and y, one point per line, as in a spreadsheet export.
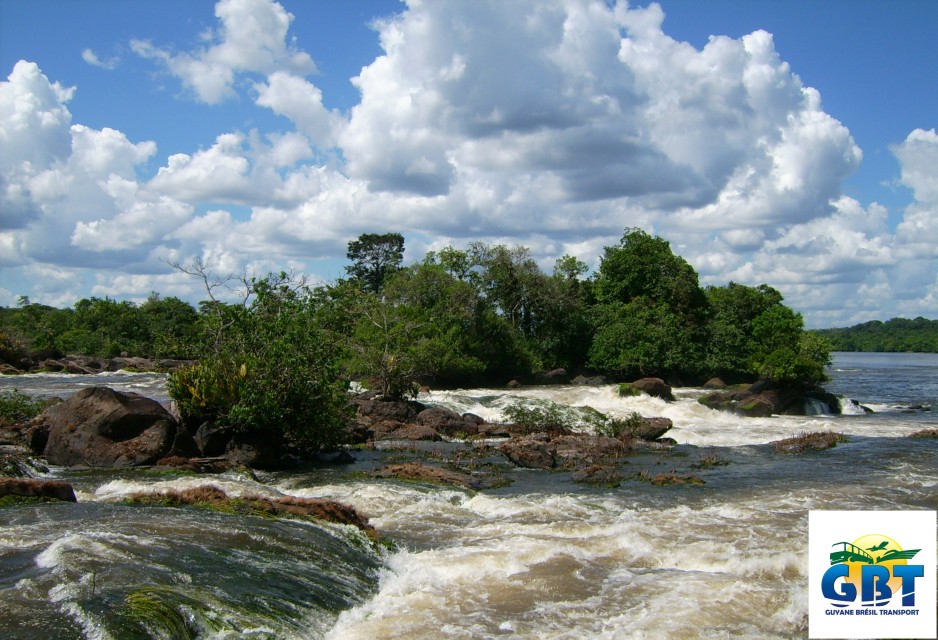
160	327
279	361
897	335
267	367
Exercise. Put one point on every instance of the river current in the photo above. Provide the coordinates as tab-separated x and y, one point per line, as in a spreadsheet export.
541	557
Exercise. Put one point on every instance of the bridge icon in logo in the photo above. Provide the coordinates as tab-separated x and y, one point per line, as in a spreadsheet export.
849	552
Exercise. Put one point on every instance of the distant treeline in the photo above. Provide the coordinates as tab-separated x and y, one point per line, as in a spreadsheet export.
160	327
896	335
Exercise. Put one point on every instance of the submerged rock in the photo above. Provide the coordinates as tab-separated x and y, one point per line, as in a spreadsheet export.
541	451
38	489
426	473
213	497
817	441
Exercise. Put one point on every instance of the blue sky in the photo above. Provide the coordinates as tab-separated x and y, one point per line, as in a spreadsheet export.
791	143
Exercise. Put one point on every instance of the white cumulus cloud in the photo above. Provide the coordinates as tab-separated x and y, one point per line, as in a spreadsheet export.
251	38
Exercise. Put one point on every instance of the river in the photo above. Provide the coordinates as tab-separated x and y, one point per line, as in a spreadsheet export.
541	557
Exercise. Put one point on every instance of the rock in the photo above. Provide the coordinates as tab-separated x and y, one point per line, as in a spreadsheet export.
764	398
414	432
425	473
582	449
540	451
513	384
473	418
323	509
816	441
168	364
533	452
39	489
318	508
254	450
446	421
211	439
382	429
15	462
184	443
597	474
487	430
714	383
593	381
197	465
11	434
37	436
556	376
650	429
755	407
377	407
9	369
655	387
134	364
100	427
64	366
342	457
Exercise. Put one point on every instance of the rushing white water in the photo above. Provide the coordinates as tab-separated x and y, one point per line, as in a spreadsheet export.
694	423
542	557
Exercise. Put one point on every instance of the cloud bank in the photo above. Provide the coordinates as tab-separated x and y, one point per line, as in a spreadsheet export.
553	124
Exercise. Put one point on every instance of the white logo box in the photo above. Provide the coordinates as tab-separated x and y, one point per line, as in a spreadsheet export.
885	618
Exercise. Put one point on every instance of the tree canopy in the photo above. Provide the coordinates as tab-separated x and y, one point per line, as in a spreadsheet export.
374	257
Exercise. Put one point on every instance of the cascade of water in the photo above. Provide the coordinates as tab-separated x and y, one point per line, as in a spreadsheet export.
815	407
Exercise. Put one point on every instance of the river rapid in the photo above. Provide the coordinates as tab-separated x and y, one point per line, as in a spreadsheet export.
540	557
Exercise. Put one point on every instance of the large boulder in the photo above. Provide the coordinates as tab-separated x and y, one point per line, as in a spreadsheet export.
377	407
101	427
649	429
655	387
212	439
765	398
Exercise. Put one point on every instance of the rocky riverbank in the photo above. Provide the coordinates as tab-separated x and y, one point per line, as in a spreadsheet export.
89	365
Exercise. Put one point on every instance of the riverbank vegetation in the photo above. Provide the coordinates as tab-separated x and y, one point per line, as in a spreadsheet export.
896	335
279	359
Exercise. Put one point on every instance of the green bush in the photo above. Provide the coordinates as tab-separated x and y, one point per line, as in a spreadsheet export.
267	369
529	417
613	427
16	407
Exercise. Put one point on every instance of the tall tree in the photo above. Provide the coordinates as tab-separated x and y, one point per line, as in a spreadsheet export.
651	313
375	256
